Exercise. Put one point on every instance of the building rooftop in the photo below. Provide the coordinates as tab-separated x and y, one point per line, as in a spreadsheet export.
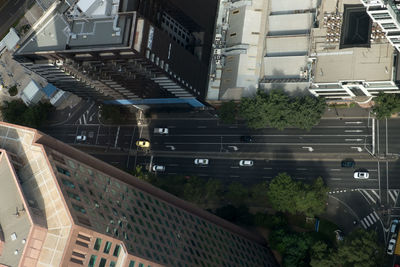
287	45
290	5
15	221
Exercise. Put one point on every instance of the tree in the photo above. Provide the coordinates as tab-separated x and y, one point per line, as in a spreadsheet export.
237	194
111	112
18	113
307	111
254	110
321	255
259	194
227	112
234	214
13	90
386	105
360	249
281	193
311	200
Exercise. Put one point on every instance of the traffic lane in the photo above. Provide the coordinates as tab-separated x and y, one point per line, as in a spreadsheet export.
342	148
394	174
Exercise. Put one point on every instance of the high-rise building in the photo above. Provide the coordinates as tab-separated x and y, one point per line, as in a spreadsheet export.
135	51
62	207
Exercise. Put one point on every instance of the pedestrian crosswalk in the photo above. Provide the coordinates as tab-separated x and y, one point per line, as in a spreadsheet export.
369	220
373	196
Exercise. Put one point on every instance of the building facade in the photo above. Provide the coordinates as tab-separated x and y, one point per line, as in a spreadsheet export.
66	208
139	51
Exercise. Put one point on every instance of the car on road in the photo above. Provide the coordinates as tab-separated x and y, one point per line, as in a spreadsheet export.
158	168
361	174
246	163
348	163
161	130
393	227
246	139
201	161
143	143
391	246
81	138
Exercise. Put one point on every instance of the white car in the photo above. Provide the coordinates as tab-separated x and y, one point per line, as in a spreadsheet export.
391	246
246	163
161	130
81	138
361	175
158	168
201	161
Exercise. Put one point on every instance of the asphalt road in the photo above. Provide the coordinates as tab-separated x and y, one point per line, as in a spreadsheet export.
12	11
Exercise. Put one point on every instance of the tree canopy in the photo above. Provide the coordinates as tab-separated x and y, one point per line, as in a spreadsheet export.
278	110
227	112
386	105
18	113
287	195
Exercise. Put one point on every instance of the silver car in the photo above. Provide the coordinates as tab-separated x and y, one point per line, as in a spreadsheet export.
158	168
246	163
361	175
201	161
391	246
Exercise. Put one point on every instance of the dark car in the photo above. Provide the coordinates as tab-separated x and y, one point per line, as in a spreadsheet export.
348	163
246	138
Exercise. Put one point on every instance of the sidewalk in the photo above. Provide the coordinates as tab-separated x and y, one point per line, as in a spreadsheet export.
346	113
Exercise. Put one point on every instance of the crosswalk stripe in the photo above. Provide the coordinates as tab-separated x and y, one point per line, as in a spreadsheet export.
376	194
376	215
368	195
363	225
370	220
392	196
396	193
366	221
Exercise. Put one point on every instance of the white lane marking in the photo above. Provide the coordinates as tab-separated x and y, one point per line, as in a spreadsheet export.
267	168
396	192
370	220
271	135
376	215
376	194
353	131
84	119
352	140
336	179
366	222
392	196
301	169
335	170
353	122
373	170
262	143
235	167
368	195
363	225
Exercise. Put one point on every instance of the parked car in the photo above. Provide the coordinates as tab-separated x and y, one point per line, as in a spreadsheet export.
393	227
201	161
158	168
143	143
391	246
361	174
246	163
246	139
161	130
81	138
348	163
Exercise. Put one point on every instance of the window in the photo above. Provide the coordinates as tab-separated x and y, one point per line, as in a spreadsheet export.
102	262
131	264
141	265
73	195
112	263
235	11
79	208
63	171
107	247
97	244
92	261
67	183
116	250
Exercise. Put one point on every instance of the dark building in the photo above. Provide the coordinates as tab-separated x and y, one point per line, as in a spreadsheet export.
134	51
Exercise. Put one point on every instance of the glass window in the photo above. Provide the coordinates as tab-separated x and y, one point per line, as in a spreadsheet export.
79	208
132	264
102	262
97	244
116	250
73	195
112	263
63	171
68	183
107	247
71	164
141	265
92	261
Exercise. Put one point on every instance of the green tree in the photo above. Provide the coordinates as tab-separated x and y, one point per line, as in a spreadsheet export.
311	200
282	192
360	249
227	112
278	110
259	194
18	113
13	90
202	193
386	105
307	111
111	112
321	255
253	110
237	194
